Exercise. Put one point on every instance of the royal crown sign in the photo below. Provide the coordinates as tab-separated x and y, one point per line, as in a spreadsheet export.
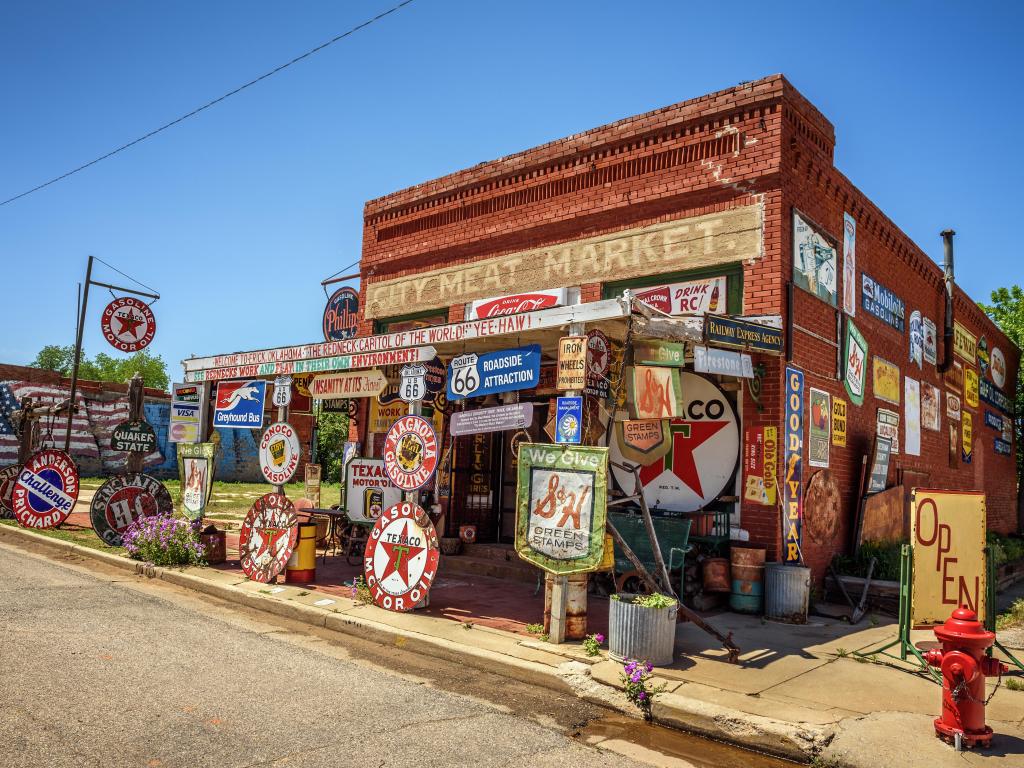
46	489
401	557
240	404
341	315
128	324
473	375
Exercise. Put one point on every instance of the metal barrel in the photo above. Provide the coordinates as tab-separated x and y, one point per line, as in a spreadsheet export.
747	594
644	634
787	593
301	568
716	574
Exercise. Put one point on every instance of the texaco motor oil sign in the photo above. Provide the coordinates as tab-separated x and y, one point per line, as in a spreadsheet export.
401	557
279	453
128	324
267	537
124	499
410	452
46	489
704	455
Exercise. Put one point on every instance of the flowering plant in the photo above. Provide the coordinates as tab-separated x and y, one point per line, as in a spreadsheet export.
163	540
636	681
592	644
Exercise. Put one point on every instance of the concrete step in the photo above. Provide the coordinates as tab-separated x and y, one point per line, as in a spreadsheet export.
470	565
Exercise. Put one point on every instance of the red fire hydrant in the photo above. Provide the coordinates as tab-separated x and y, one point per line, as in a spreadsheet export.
964	668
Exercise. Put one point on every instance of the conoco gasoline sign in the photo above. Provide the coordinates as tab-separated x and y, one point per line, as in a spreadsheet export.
267	537
128	324
279	453
46	489
410	452
401	557
124	499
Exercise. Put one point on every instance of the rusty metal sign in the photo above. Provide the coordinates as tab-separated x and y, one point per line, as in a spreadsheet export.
133	436
46	489
410	452
821	508
280	453
401	557
8	475
122	500
128	324
268	535
643	440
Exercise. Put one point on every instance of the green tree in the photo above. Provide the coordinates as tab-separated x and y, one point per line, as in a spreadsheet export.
104	367
332	432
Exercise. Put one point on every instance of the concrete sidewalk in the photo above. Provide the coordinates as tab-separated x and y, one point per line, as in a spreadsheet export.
797	692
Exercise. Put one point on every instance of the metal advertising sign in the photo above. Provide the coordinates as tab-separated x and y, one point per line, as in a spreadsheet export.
814	260
413	383
819	438
916	338
8	476
46	489
984	360
993	420
410	452
793	483
498	419
998	367
741	334
642	441
195	472
930	395
912	422
572	363
186	405
122	500
838	422
948	542
653	392
989	394
305	366
878	477
723	362
368	490
267	537
475	375
953	378
341	315
970	387
401	557
599	354
282	396
569	420
879	301
383	416
516	303
855	363
887	424
280	453
311	483
760	463
133	436
965	343
240	404
849	265
328	386
693	297
886	380
967	439
669	354
930	341
1002	447
128	324
953	407
561	507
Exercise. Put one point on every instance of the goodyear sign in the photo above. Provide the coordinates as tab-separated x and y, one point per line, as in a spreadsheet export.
793	487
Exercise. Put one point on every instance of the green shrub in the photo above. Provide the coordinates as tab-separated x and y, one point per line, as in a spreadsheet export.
887	553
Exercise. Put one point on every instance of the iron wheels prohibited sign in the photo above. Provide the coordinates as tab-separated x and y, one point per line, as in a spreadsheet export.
410	452
267	537
401	557
46	489
124	499
128	324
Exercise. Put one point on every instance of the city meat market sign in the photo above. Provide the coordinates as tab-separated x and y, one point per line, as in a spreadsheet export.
133	436
316	365
122	500
410	452
267	537
701	241
353	384
46	489
401	557
279	453
128	324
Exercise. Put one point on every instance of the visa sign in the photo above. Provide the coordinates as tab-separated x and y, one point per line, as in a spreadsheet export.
475	375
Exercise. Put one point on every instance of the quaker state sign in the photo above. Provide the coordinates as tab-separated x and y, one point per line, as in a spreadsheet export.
122	500
410	452
128	324
46	489
8	476
401	557
135	436
268	535
279	453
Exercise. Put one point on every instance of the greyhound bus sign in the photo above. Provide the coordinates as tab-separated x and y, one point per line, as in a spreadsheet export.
240	404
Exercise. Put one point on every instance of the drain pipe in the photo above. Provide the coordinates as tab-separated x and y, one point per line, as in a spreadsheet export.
947	330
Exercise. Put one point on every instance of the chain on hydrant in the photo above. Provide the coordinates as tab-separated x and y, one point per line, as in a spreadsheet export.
964	665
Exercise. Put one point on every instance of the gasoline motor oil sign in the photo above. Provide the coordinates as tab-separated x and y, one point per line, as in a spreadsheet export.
401	557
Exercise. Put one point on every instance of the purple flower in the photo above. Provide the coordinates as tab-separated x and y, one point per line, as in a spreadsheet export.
599	638
642	696
650	667
635	677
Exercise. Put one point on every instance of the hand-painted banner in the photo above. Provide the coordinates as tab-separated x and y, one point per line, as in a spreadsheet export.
760	463
317	365
473	375
855	370
327	386
793	485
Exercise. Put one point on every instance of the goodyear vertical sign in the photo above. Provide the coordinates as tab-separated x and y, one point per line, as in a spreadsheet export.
793	487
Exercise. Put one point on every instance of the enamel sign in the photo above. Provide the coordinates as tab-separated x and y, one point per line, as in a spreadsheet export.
760	465
516	303
599	351
998	367
282	396
814	260
401	557
240	404
916	338
267	537
473	375
122	500
46	489
280	453
793	468
133	436
930	341
8	476
410	452
882	303
128	324
341	315
350	384
412	385
965	343
855	368
569	420
368	490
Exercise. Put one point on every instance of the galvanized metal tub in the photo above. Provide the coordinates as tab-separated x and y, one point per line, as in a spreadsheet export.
645	634
787	591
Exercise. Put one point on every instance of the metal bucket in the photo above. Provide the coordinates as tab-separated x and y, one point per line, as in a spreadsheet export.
747	594
301	568
575	606
787	593
644	634
716	574
215	545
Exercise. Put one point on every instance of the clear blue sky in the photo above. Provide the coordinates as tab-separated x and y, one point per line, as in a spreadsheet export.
236	215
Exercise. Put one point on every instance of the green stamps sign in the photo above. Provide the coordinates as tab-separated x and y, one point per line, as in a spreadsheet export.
561	507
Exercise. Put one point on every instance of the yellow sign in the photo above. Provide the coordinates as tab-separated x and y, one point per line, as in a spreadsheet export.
967	443
965	343
971	387
886	379
572	363
329	386
947	534
838	422
383	416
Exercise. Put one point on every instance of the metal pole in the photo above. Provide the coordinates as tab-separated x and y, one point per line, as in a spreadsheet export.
78	355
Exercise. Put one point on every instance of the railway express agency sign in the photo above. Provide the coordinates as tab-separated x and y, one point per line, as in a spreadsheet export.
128	324
401	557
410	452
124	499
46	489
267	537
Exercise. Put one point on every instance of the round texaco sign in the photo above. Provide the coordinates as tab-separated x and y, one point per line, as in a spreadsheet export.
267	538
401	557
46	489
128	324
8	475
703	458
122	500
279	453
410	452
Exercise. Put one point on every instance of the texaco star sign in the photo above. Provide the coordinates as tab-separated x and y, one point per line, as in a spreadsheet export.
401	557
128	324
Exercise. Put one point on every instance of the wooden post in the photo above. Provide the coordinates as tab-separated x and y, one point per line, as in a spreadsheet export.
136	392
27	438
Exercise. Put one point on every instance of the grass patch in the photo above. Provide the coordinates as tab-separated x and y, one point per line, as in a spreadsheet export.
1013	684
74	534
1014	617
534	629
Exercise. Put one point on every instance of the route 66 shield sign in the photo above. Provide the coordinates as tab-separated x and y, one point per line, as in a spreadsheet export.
463	379
282	391
413	385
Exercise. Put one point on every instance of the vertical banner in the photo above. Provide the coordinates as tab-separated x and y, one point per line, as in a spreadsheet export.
967	443
849	265
760	464
838	422
819	439
912	422
793	489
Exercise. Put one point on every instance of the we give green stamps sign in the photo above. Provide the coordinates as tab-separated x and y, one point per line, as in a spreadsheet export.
561	507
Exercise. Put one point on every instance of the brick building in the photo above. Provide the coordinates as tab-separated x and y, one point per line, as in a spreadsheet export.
740	167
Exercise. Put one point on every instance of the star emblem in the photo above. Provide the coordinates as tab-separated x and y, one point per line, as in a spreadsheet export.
399	556
687	436
130	323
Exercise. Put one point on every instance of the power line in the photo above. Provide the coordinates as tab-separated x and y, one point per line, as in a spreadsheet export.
209	104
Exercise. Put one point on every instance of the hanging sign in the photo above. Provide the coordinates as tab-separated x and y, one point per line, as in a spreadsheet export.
341	315
930	395
930	341
473	375
498	419
947	536
280	453
819	437
267	537
282	396
760	463
46	489
195	473
723	362
561	507
435	376
1003	447
912	422
128	324
887	424
998	367
412	387
122	500
401	557
838	422
989	394
136	436
349	384
814	260
186	402
643	441
879	301
916	338
965	343
240	404
953	407
670	354
793	482
967	441
599	353
300	367
8	477
886	380
970	387
569	420
516	303
693	297
878	476
741	334
849	265
705	451
855	368
410	452
368	490
572	363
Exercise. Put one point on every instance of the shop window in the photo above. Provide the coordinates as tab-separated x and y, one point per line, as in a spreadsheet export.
411	322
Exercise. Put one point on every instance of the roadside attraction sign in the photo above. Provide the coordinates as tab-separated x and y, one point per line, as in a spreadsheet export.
46	489
329	386
128	324
267	538
368	490
317	364
401	557
341	315
8	476
195	473
280	453
473	375
410	452
135	436
122	500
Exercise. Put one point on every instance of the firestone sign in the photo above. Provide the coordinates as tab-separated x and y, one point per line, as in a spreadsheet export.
401	557
46	489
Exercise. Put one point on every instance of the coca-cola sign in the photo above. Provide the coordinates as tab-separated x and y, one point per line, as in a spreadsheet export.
694	297
513	305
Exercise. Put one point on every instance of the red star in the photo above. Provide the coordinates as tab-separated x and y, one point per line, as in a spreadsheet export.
129	322
687	436
399	556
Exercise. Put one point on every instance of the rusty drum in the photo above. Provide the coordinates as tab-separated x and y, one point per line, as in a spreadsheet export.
747	592
716	574
575	609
